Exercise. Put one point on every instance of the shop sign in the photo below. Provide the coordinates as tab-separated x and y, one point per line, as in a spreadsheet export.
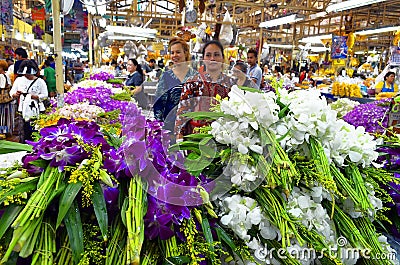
339	47
38	14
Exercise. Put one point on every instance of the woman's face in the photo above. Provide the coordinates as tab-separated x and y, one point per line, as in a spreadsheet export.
177	53
213	58
390	79
130	67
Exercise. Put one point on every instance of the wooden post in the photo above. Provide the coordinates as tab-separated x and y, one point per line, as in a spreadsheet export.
58	52
90	33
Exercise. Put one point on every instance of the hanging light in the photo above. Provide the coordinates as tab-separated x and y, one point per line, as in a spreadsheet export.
96	7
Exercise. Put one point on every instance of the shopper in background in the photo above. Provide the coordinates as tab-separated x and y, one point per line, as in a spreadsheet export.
199	92
239	71
135	81
21	55
10	70
254	71
30	91
388	84
78	70
7	110
52	62
49	75
169	87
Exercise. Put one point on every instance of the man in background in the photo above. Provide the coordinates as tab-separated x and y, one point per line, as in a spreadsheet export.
78	69
254	71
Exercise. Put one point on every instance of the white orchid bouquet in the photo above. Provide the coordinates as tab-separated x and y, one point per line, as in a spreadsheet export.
302	179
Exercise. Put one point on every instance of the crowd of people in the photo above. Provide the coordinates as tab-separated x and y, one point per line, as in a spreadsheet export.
25	90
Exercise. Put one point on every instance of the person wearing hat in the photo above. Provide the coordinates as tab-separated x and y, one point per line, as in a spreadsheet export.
30	91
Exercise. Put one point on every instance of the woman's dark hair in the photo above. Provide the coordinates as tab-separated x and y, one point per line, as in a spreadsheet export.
278	69
138	67
47	63
242	66
388	74
28	67
216	43
21	52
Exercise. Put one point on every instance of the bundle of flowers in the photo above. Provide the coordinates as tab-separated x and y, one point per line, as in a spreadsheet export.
343	106
81	110
102	76
302	180
90	83
100	97
372	116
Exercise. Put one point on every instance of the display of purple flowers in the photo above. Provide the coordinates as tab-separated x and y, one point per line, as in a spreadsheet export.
59	143
102	76
172	191
99	96
372	116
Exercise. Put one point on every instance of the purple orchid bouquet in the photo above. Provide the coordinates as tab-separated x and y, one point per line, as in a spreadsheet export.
102	76
372	116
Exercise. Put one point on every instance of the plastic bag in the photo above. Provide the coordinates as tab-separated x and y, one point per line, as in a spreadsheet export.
226	34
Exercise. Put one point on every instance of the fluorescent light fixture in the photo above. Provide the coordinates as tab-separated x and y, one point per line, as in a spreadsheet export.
316	39
281	21
120	37
282	46
133	31
350	4
378	30
359	52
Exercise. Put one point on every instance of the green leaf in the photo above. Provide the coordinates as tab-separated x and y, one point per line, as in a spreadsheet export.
206	115
205	225
100	209
11	147
73	224
177	260
8	217
225	238
124	208
196	136
250	89
22	187
40	163
66	200
283	112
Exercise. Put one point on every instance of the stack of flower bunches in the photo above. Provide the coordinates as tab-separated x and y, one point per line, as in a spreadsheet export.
29	219
307	131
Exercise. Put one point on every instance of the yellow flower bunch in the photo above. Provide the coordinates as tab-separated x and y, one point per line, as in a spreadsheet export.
383	95
346	90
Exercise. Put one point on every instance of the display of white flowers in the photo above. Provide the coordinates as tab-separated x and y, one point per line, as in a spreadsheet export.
87	83
81	110
343	106
8	160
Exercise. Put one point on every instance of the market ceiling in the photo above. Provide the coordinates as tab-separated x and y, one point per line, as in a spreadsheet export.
166	17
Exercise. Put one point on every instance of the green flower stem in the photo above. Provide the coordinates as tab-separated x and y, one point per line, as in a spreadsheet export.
135	220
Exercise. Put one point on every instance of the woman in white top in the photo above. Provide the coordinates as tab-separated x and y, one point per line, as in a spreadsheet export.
31	91
6	103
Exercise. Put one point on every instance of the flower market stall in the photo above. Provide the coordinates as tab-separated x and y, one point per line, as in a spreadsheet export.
276	178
